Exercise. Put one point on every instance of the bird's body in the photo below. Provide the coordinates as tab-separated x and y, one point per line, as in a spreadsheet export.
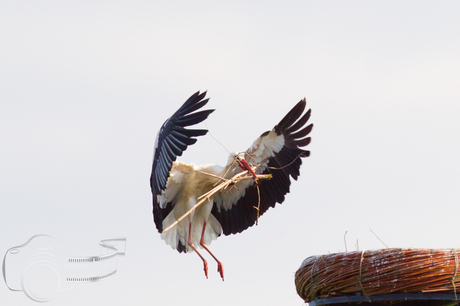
185	184
177	187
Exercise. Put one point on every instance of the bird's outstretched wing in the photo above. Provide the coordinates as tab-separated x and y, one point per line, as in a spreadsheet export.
277	152
173	139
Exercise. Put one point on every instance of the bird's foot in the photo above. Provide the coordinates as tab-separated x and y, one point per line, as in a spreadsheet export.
220	269
205	264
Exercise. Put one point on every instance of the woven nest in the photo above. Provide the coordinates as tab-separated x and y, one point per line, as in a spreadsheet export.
379	272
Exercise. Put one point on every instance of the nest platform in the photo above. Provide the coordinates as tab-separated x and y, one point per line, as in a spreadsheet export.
387	276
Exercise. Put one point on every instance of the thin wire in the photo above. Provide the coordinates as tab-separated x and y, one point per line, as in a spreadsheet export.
455	274
210	134
378	238
360	275
279	168
345	240
312	271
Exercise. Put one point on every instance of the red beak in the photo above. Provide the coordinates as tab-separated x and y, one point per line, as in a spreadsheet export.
245	166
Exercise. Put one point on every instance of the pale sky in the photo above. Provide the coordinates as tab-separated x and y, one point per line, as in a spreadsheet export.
85	86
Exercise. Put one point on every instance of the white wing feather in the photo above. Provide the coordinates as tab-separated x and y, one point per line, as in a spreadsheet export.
260	151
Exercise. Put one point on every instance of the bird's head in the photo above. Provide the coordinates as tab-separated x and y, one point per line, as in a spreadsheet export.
235	157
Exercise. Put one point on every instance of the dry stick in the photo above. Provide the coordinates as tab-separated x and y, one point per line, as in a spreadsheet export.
345	240
360	276
229	168
258	205
279	168
378	238
213	175
455	274
235	179
219	177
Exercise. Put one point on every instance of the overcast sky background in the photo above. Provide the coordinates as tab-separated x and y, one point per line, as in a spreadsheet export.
85	86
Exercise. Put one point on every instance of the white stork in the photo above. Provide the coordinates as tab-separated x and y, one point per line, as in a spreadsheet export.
176	186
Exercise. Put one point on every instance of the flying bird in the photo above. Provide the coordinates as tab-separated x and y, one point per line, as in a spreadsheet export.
177	187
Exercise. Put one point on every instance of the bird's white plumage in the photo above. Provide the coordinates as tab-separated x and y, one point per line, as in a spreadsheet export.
265	147
257	154
187	183
177	187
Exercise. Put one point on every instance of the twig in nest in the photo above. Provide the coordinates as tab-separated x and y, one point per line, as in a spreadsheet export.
378	238
345	240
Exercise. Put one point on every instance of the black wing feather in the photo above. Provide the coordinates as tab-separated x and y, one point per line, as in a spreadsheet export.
188	105
283	165
192	133
193	118
172	140
299	123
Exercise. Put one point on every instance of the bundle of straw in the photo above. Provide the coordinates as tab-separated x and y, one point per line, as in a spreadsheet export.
379	272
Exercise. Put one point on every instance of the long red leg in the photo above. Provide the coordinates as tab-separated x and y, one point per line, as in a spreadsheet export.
189	242
220	267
